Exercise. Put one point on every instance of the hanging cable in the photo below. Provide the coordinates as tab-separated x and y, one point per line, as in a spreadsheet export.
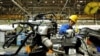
64	6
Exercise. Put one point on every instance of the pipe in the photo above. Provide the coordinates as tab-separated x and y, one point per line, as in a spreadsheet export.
21	7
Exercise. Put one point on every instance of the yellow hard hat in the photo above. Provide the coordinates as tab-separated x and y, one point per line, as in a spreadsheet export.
73	18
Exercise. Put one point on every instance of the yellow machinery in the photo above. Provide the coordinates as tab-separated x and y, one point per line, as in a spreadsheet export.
92	7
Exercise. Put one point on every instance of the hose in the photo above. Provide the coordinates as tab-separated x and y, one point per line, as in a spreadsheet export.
91	8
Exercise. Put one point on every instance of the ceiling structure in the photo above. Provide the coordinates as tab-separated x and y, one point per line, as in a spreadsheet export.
7	7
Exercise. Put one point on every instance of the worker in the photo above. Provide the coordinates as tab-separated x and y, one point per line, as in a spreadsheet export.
63	29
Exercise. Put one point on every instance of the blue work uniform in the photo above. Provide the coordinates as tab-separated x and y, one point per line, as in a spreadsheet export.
63	28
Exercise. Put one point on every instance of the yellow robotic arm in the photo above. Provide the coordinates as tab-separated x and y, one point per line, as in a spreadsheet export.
91	8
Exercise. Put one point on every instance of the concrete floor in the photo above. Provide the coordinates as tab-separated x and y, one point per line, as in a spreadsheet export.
13	49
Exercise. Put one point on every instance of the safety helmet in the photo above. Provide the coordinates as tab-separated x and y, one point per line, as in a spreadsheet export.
73	18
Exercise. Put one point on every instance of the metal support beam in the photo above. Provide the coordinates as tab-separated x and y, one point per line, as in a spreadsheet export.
21	7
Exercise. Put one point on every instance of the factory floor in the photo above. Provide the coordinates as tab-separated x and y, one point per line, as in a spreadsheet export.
55	41
13	49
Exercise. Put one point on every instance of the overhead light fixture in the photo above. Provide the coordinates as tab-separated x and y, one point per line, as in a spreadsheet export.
30	2
80	1
61	1
45	2
1	2
53	1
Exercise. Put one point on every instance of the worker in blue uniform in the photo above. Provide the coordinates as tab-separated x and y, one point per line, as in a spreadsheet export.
63	29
